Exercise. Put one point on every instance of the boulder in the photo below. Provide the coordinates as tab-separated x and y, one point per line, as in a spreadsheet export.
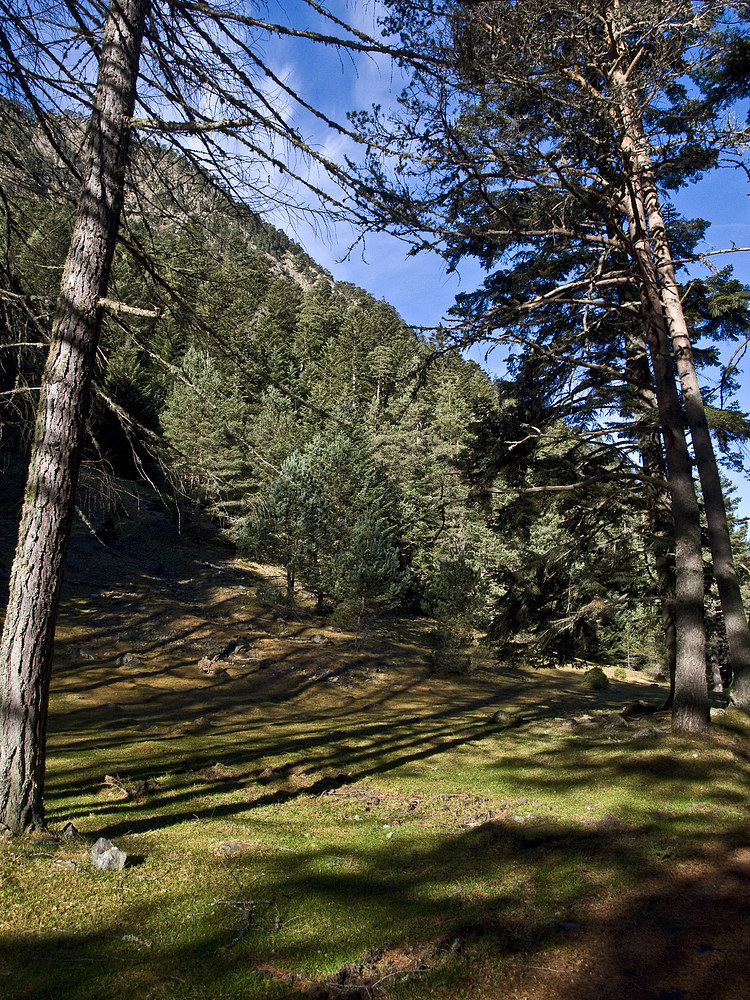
198	725
615	722
130	661
645	733
106	857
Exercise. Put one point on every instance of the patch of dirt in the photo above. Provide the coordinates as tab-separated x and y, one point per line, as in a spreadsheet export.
449	810
364	979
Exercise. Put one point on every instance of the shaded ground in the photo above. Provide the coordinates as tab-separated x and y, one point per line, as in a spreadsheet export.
327	817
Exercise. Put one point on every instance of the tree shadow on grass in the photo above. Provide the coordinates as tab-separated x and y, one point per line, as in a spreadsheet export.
265	762
539	910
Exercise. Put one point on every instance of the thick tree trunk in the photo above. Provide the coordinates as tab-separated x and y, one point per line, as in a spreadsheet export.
658	271
690	699
652	460
727	582
49	502
690	702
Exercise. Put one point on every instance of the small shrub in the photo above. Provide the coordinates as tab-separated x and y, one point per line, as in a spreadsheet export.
621	674
596	679
455	598
446	657
269	593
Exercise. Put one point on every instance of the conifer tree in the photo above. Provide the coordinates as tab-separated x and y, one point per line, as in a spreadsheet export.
545	153
192	74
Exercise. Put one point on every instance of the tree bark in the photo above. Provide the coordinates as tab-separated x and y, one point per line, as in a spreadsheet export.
690	701
690	698
658	270
652	460
49	502
727	582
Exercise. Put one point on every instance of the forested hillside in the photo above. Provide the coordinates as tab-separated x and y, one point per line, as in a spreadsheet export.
571	512
388	676
379	469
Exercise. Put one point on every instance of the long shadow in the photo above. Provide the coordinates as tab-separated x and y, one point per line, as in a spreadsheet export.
367	749
548	909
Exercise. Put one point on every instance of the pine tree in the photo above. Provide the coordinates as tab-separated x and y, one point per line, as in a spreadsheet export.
289	523
544	153
182	64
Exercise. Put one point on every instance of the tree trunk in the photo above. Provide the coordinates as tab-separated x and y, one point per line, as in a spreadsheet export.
49	502
690	703
690	700
652	461
658	270
727	582
718	681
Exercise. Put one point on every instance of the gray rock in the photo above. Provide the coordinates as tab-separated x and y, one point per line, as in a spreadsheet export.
129	660
69	832
198	725
615	722
645	733
234	847
106	857
500	717
46	840
86	653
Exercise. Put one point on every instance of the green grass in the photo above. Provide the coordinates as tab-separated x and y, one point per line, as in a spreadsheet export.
269	853
335	821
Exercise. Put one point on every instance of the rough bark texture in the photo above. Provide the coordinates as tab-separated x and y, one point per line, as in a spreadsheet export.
690	701
662	526
690	698
725	573
662	277
49	502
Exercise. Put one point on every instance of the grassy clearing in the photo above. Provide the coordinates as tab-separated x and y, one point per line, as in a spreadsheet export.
333	820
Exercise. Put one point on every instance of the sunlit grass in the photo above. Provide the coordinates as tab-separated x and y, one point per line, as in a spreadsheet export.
273	854
290	834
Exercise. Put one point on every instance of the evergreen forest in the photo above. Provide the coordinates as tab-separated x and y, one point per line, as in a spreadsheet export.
328	590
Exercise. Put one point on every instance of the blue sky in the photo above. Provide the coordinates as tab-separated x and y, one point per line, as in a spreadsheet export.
419	287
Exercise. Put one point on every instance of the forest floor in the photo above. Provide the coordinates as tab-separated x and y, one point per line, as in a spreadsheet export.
328	816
